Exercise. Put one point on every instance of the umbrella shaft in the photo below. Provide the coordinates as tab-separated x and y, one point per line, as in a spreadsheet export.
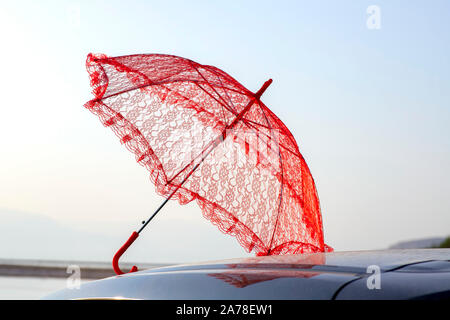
171	195
157	210
176	189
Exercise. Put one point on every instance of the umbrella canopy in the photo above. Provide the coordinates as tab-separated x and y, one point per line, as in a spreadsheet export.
205	137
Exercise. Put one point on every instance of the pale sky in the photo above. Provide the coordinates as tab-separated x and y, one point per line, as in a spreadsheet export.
369	108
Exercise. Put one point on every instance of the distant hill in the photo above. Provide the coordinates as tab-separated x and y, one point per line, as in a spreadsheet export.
32	236
25	235
419	243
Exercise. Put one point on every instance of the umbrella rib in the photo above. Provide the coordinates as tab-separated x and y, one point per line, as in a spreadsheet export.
243	120
224	90
221	104
215	141
282	181
160	83
207	82
291	138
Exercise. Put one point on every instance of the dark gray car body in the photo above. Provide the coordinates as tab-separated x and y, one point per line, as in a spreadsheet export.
404	274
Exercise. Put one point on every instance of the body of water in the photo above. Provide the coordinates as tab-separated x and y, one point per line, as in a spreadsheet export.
34	279
29	288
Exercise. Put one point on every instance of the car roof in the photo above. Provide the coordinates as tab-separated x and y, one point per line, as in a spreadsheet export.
302	276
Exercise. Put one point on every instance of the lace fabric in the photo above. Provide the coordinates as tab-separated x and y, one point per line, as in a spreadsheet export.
205	137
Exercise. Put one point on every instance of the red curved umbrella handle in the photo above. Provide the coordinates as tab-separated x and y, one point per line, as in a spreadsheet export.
119	253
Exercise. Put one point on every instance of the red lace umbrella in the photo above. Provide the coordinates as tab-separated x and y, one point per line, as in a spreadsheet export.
205	137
